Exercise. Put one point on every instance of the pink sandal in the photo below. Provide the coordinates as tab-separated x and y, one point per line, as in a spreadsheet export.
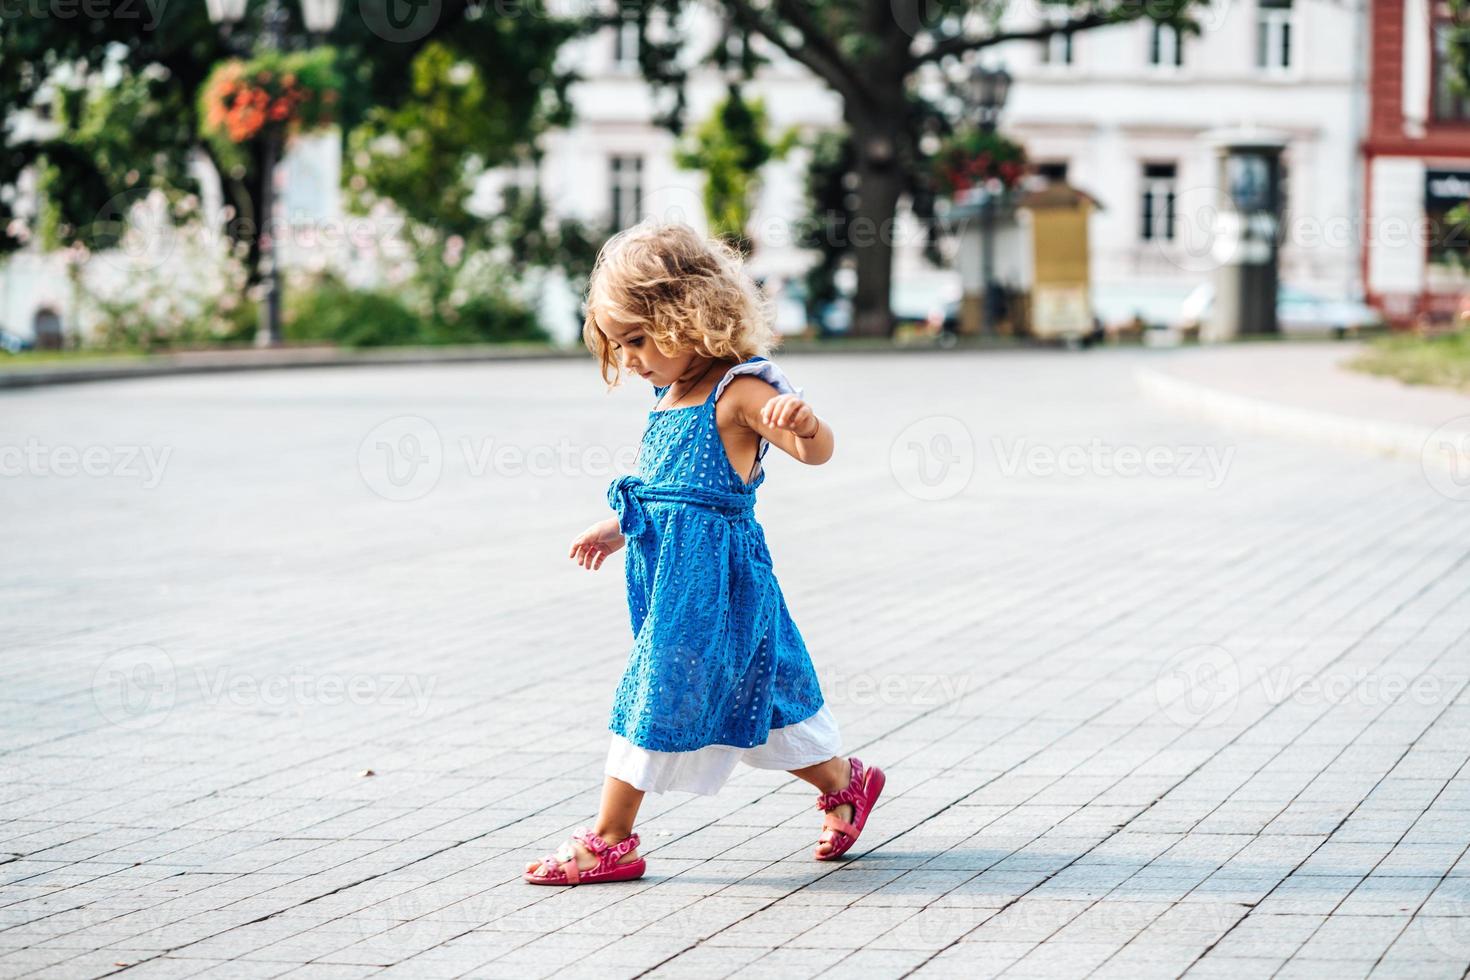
561	868
862	792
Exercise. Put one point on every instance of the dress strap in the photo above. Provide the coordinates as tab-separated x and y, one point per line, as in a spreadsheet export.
714	393
761	367
765	369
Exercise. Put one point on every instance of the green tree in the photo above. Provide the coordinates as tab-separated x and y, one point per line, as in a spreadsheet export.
115	85
731	147
424	156
830	202
870	52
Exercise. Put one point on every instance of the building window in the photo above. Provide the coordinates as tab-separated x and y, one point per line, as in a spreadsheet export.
1448	245
1165	46
625	44
1273	35
1052	171
1157	196
1056	49
1447	104
626	182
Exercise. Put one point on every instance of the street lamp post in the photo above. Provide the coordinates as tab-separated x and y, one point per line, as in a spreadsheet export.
319	17
989	87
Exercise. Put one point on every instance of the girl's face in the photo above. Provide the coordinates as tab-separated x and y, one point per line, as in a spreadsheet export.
637	353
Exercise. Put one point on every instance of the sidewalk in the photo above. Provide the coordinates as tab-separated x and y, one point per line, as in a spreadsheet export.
280	648
1305	391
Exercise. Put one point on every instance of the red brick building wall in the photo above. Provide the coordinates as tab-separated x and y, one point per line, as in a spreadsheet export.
1394	133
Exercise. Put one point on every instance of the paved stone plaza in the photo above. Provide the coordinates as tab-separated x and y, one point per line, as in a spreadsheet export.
298	676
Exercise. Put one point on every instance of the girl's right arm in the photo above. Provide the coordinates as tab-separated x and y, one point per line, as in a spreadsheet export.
597	542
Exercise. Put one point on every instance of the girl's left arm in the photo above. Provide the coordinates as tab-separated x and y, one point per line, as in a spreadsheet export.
788	422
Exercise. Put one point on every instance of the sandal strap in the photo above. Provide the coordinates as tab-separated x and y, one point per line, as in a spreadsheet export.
851	794
828	801
607	854
591	841
548	866
834	822
625	847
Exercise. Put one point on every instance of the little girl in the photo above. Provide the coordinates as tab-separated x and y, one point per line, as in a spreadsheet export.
719	673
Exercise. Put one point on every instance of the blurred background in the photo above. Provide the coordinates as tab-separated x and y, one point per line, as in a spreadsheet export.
1137	565
381	173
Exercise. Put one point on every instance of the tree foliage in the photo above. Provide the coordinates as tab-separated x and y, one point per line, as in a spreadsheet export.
730	148
115	86
872	54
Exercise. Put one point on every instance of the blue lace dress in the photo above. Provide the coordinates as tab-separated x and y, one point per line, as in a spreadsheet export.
717	662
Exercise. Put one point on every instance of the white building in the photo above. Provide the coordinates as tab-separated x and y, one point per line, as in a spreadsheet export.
1123	112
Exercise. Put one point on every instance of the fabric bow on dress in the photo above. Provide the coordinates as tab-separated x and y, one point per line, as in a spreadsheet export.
627	494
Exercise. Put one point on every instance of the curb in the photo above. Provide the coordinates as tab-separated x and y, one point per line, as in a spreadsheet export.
208	362
1394	439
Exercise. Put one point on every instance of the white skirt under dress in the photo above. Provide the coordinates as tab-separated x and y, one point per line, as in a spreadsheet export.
705	771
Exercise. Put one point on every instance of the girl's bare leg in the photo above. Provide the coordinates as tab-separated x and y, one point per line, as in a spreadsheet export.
831	776
620	803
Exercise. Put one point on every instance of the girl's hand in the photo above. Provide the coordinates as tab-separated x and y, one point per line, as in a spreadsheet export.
597	542
789	412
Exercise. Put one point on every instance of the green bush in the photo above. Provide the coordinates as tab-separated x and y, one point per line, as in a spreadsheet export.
487	319
330	311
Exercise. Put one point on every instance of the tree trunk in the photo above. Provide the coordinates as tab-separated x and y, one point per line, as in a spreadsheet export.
871	233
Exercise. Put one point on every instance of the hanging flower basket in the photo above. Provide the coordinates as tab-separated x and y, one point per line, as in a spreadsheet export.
974	158
290	91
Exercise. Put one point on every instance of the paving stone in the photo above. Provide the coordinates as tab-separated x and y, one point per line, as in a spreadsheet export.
1135	726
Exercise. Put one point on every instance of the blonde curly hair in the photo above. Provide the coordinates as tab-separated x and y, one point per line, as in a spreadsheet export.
688	293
